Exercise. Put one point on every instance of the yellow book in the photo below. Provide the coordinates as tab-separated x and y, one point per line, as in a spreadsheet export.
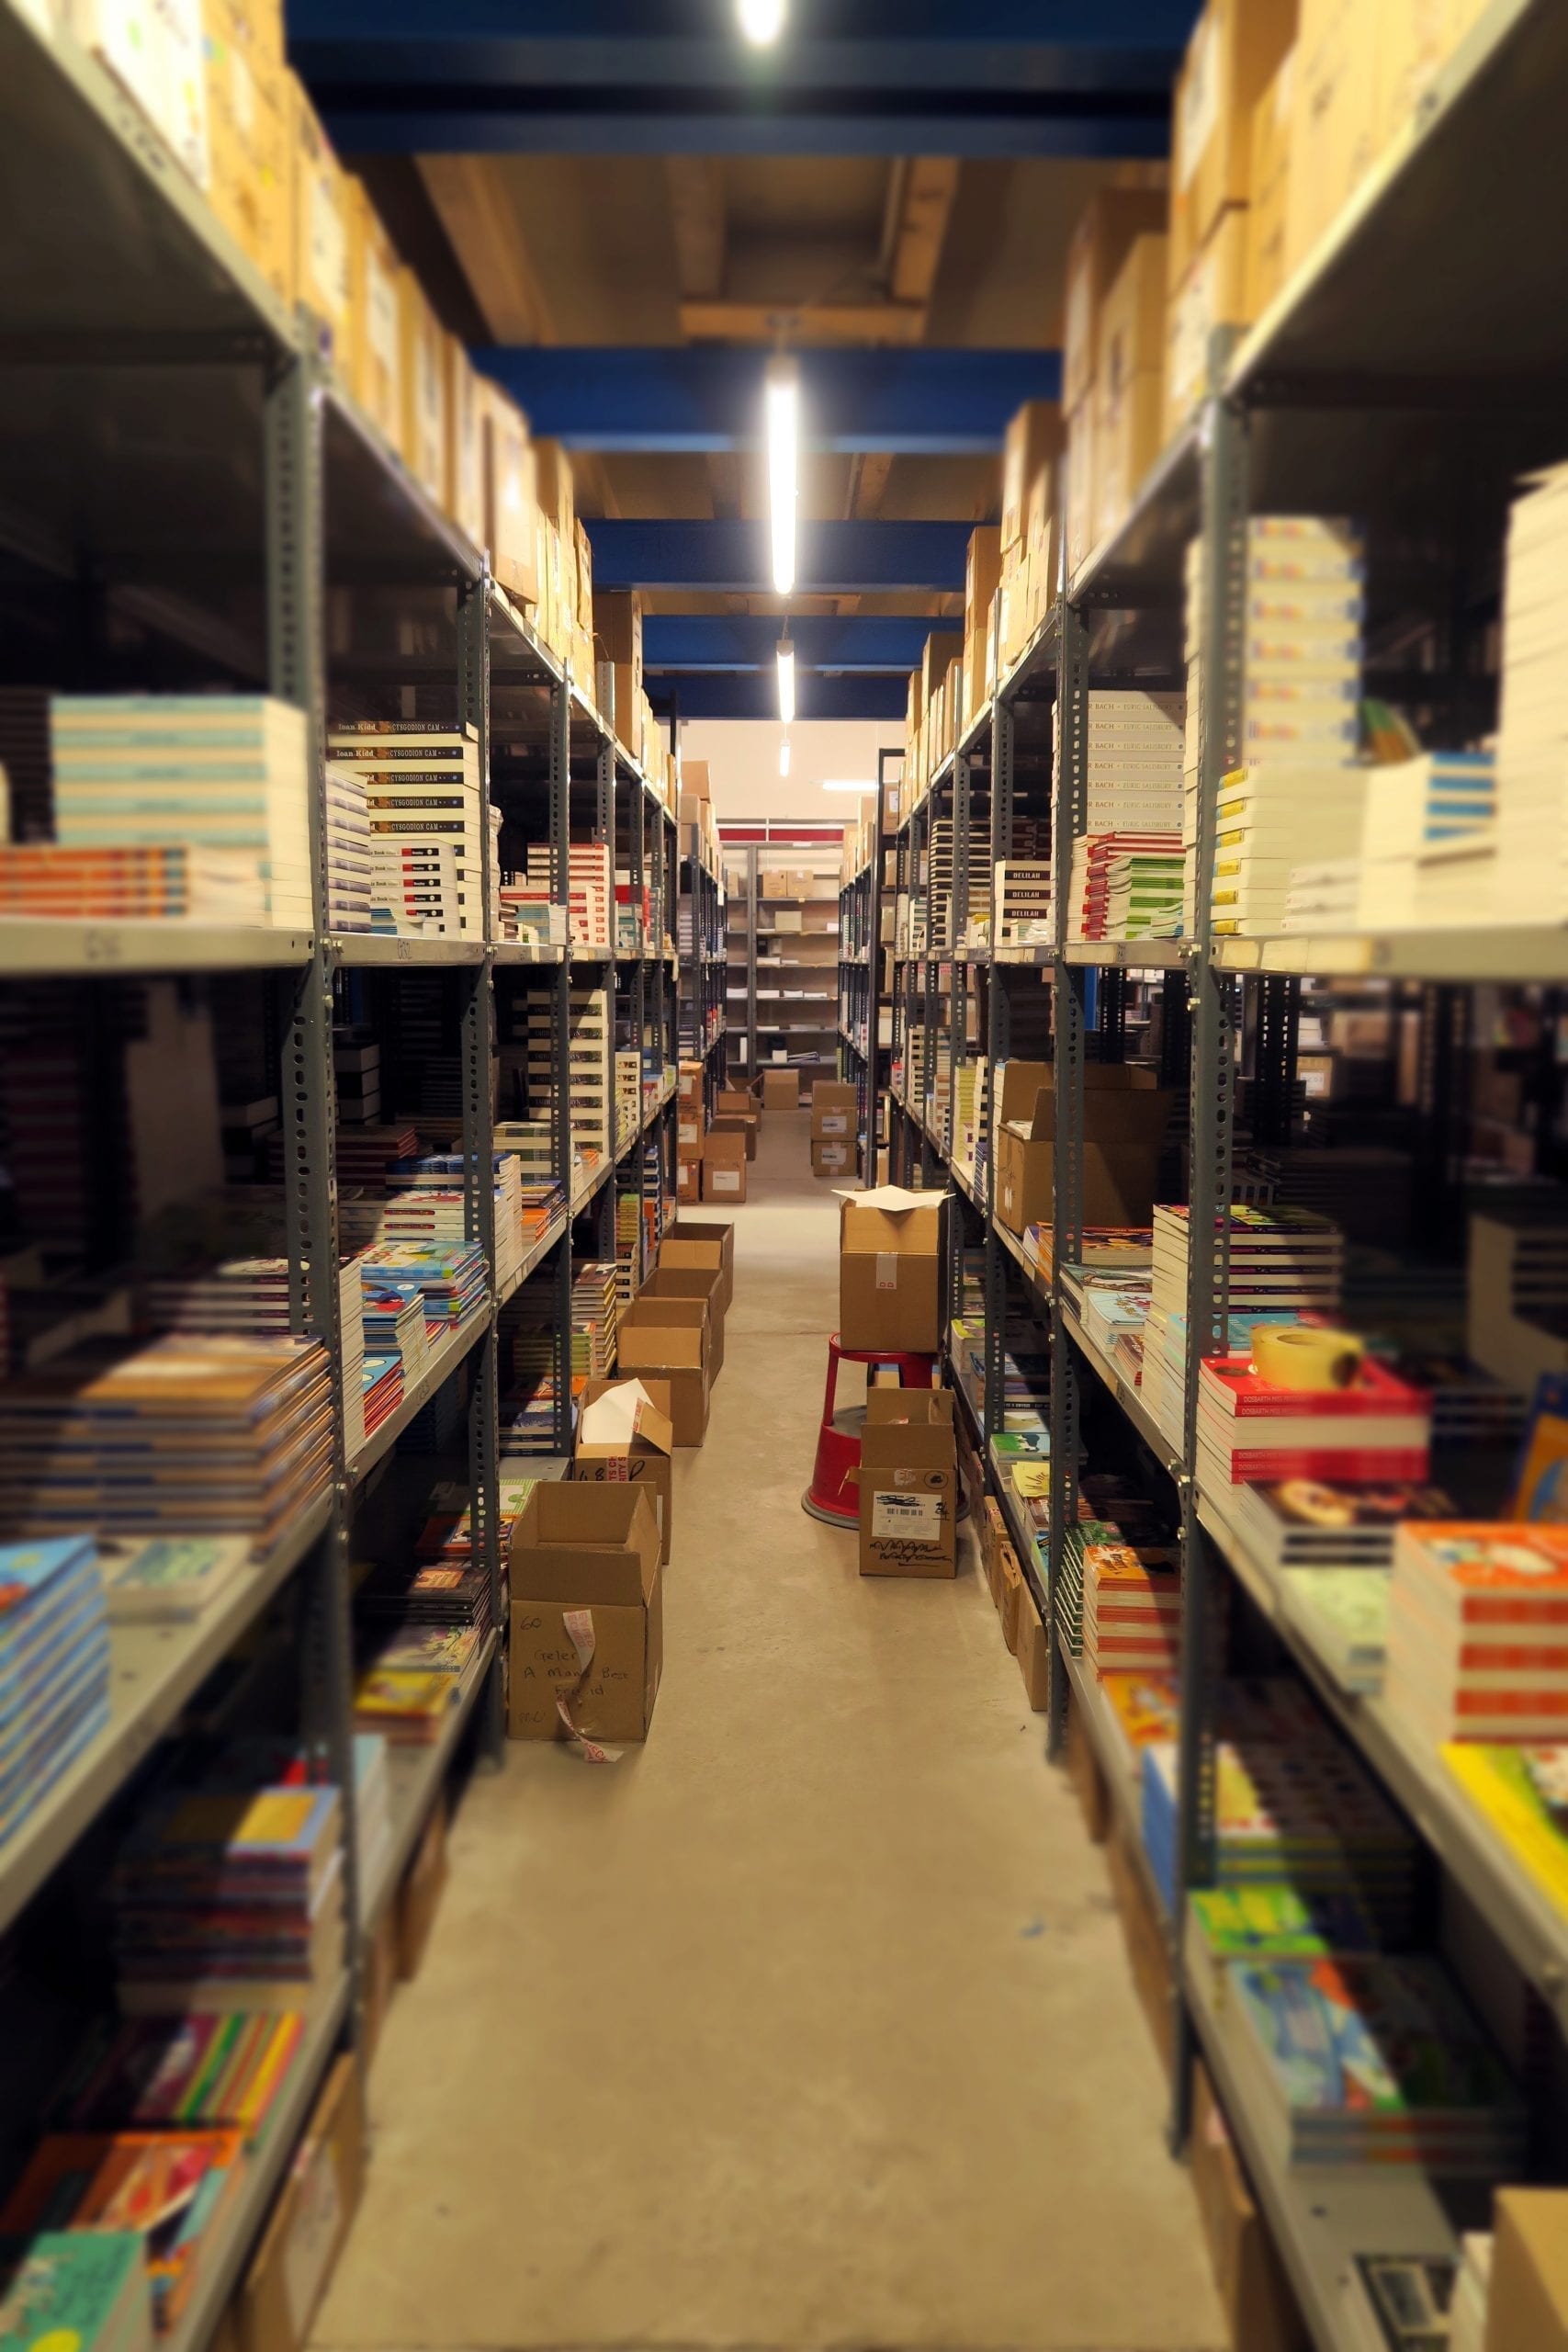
1497	1781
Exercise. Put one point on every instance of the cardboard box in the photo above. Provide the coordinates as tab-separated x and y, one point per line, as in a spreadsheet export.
374	354
942	647
249	166
419	1892
1528	2307
737	1103
1268	209
1080	499
831	1158
1233	54
423	376
990	1528
706	1283
694	1242
584	1550
689	1180
464	497
1009	1596
781	1089
888	1263
908	1484
318	207
1260	2310
835	1110
676	1353
1129	435
689	1081
723	1164
1144	1939
381	1975
1033	1653
309	2222
512	512
1126	1117
644	1462
1131	333
1334	118
1100	243
1212	294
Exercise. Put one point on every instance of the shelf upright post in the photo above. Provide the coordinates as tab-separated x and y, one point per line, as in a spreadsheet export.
1223	494
639	1020
958	924
478	1147
294	464
1069	1018
998	1047
560	1045
605	826
751	900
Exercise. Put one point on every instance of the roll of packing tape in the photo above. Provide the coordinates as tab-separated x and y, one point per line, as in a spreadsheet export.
1292	1355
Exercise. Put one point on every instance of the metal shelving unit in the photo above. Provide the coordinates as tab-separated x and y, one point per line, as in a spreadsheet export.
704	1012
155	397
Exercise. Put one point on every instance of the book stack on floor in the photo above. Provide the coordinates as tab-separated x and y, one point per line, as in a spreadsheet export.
1126	862
54	1667
422	786
1478	1631
1532	825
1283	1263
111	2229
229	1898
1428	842
210	1435
350	848
218	785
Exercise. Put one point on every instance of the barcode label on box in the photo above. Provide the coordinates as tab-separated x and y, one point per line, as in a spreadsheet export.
911	1518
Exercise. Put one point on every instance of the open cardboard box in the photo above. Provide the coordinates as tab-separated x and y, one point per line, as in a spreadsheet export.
675	1349
577	1548
699	1283
692	1241
888	1261
644	1461
908	1484
1126	1112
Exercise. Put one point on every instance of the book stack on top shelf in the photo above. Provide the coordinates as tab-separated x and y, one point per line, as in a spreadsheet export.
427	821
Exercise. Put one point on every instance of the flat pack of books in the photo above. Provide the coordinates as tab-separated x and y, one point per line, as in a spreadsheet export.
1323	895
392	1321
1132	1608
1280	1263
85	2288
1252	1428
448	1530
450	1277
209	1434
590	890
1113	1513
1325	1523
1124	885
177	882
1267	821
229	1899
1520	1790
169	1579
1375	2060
443	1592
54	1667
1425	818
1517	1292
169	2190
382	1387
1532	764
216	2071
349	844
1021	897
1478	1631
1343	1613
227	773
356	1076
1272	1923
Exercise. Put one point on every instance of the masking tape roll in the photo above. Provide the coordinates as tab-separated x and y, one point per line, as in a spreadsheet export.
1292	1355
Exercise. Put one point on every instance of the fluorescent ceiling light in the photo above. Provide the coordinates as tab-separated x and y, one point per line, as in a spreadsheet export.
783	757
783	406
841	785
786	681
760	20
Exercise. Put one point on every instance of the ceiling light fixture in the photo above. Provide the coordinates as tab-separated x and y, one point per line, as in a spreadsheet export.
782	407
762	21
786	681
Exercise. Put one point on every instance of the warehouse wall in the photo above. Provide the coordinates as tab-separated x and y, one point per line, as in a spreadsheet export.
743	763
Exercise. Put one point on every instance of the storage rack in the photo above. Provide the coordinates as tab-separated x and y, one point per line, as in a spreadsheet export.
704	961
863	1054
1374	384
189	495
809	1042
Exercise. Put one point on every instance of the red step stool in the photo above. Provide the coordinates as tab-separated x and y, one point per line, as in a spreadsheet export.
833	1495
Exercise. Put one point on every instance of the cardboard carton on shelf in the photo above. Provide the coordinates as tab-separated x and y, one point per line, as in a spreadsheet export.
723	1164
1212	293
464	496
669	1338
1334	118
1079	468
1144	1934
689	1132
694	1283
889	1259
372	361
1235	51
247	133
581	1549
309	2222
1527	2306
1260	2310
511	505
422	367
1101	242
319	208
689	1081
694	1242
1126	1112
419	1892
1010	1596
636	1449
1267	208
908	1484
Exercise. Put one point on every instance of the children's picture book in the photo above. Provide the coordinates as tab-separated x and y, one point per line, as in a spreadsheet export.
1540	1489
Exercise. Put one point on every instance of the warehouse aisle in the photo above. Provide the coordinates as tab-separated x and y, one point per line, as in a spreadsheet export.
807	2025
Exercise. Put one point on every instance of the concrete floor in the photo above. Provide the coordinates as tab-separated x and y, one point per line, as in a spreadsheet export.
807	2024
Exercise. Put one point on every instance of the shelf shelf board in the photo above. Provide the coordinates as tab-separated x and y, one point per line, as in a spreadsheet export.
378	516
153	1670
1489	950
33	946
414	1775
1128	954
365	949
528	951
534	1259
441	1361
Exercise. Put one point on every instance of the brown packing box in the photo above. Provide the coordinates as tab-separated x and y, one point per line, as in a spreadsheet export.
1032	1652
991	1530
1144	1938
942	647
832	1157
419	1892
381	1975
887	1277
1270	180
694	778
908	1484
781	1089
689	1081
1100	244
1212	294
675	1351
737	1103
1010	1596
1034	438
308	2223
690	1238
689	1180
1334	118
835	1110
1235	52
582	1547
318	205
512	510
644	1462
249	164
464	499
1126	1117
1259	2309
1528	2310
982	572
724	1162
706	1283
1083	1770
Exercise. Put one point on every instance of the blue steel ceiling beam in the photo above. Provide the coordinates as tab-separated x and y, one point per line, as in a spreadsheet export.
684	400
755	695
860	644
1022	77
831	558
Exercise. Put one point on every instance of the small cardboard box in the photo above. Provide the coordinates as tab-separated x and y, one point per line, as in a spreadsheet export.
583	1550
1144	1938
706	1283
643	1462
832	1161
1126	1114
315	2209
888	1262
908	1484
724	1163
737	1103
990	1530
689	1082
1099	245
1083	1770
1032	1652
688	1180
512	506
1528	2307
1256	2296
1234	53
381	1975
693	1243
373	371
676	1353
781	1089
835	1110
1009	1599
419	1892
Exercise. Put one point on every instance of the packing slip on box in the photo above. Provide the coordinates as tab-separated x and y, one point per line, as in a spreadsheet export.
675	1349
889	1250
908	1484
625	1438
587	1613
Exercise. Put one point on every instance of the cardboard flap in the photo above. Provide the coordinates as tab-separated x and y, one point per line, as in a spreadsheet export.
623	1415
704	1283
660	1347
922	1408
867	1229
680	1313
582	1543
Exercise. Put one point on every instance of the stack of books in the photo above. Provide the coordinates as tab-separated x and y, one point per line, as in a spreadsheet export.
1324	896
449	1278
1517	1292
229	1899
448	1530
110	2219
1417	813
1343	1614
393	1325
1375	2060
421	787
594	1316
1023	900
1270	819
1114	1515
1132	1611
409	1684
1478	1631
350	860
1521	1793
369	1156
1283	1262
217	2070
54	1667
1532	818
211	1435
169	1579
1131	817
590	891
1310	1522
133	883
1251	1429
224	777
76	2287
357	1074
